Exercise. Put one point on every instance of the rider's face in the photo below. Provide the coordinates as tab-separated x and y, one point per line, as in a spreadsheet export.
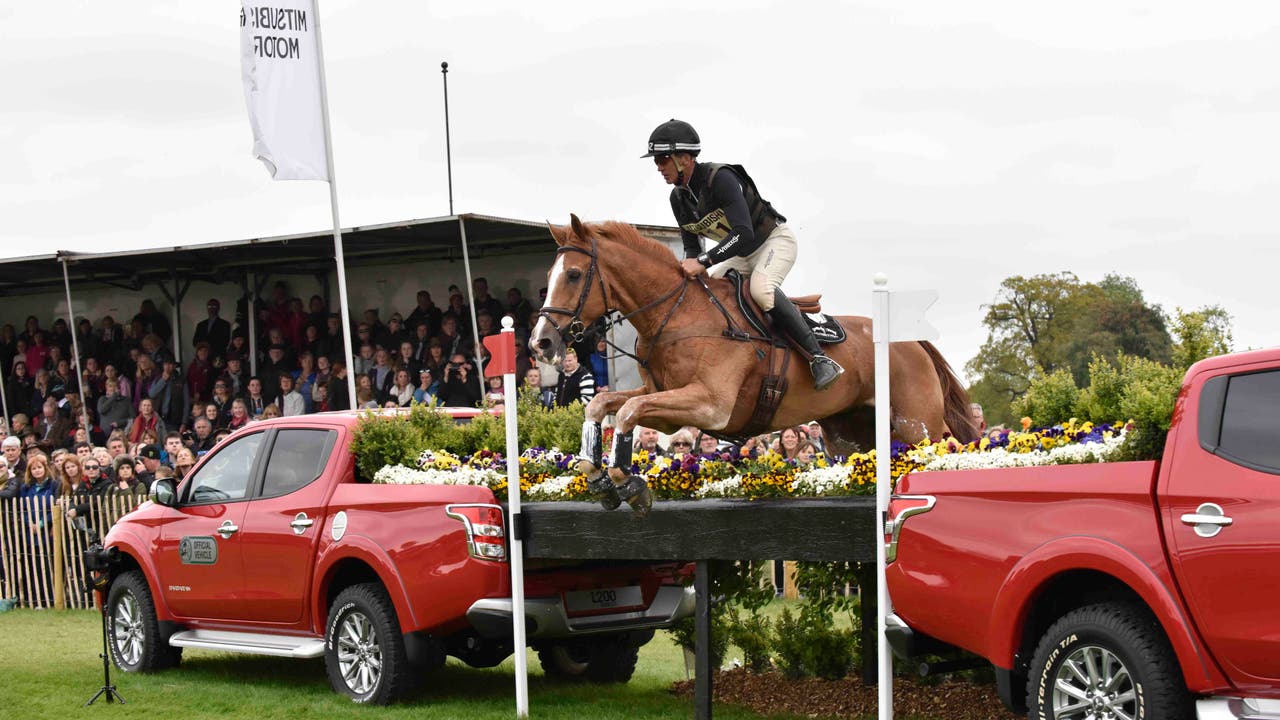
668	167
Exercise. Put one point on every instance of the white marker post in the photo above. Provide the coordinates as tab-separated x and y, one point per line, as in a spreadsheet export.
899	318
502	348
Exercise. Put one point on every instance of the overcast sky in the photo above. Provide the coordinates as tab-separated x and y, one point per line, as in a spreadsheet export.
949	145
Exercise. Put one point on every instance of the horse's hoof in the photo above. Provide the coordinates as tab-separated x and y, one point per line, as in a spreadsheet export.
636	492
610	501
604	490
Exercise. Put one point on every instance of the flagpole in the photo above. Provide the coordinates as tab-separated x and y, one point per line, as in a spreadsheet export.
448	152
880	335
345	309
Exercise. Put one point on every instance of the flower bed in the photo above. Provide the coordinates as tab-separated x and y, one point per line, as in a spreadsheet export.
551	474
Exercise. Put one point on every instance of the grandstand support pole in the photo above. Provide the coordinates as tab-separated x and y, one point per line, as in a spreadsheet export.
4	402
252	312
880	338
471	301
177	315
343	298
75	350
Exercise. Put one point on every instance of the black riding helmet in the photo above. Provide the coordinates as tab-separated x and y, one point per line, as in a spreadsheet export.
673	136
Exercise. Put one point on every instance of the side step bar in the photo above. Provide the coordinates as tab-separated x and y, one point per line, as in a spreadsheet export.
291	646
1223	708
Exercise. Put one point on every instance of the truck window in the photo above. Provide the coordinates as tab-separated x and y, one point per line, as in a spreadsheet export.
225	476
297	459
1251	422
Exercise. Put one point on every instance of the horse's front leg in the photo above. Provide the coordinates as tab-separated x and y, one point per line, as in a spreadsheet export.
590	449
690	405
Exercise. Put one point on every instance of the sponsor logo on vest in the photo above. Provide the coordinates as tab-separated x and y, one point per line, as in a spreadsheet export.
715	225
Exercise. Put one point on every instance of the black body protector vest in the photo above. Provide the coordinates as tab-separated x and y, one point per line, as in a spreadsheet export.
712	222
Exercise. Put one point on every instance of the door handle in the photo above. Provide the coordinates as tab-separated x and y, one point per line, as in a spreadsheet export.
227	529
1208	519
300	523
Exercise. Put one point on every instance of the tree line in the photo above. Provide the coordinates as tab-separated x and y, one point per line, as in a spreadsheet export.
1055	324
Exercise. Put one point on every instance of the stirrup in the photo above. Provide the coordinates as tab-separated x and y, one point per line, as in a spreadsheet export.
636	492
825	372
604	490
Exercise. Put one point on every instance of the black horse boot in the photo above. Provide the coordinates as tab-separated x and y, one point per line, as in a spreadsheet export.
787	318
598	482
631	488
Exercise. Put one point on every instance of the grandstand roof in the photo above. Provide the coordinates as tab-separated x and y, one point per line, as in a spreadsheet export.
418	240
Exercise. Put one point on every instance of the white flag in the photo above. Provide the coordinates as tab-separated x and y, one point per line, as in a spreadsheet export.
280	64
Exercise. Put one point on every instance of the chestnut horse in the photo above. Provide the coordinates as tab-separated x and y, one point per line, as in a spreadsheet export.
693	375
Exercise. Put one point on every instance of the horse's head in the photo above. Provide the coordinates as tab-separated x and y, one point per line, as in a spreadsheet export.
576	294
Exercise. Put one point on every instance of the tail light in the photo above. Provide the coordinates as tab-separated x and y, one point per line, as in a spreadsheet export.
486	535
902	507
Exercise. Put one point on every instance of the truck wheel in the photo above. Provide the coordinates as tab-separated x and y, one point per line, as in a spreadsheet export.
133	633
364	651
1110	660
608	659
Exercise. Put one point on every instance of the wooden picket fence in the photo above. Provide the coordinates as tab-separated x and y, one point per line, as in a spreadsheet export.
40	548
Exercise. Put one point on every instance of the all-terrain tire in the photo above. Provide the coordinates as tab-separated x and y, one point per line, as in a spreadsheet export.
134	638
605	659
364	653
1110	654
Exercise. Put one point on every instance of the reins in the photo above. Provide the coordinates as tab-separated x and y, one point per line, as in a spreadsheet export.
575	329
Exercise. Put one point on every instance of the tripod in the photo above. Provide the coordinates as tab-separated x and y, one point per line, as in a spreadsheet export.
107	688
97	564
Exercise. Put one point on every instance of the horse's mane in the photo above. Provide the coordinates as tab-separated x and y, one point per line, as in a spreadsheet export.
626	234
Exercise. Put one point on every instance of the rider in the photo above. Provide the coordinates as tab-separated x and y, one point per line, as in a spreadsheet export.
721	202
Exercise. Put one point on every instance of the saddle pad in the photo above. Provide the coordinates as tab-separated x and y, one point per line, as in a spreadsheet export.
825	328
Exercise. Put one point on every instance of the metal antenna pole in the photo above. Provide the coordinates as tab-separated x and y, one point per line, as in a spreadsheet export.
448	152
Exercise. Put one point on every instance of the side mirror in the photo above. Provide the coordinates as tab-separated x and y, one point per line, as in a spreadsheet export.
163	493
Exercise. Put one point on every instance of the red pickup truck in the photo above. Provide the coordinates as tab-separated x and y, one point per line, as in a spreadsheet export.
1114	590
273	545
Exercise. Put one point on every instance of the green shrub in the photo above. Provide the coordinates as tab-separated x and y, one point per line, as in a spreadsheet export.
1050	398
559	427
1100	402
754	635
807	644
1151	390
383	441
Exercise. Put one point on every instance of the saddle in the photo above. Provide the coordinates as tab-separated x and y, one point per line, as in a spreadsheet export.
825	328
754	410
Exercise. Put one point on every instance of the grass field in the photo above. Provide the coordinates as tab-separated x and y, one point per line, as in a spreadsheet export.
51	667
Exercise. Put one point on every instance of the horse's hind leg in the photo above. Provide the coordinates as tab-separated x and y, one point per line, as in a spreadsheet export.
851	431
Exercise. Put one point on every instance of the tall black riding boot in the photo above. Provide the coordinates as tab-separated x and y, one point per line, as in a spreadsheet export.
787	318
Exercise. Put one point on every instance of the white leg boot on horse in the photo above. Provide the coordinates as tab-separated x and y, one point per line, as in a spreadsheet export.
789	320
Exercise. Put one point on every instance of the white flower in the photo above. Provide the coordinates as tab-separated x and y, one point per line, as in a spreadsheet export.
552	489
728	487
401	475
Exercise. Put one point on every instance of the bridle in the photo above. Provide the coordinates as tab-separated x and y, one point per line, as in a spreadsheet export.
575	330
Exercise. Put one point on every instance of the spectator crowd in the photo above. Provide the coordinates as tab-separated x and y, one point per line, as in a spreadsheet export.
127	409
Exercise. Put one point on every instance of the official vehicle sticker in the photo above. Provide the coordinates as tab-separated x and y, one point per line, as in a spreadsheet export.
198	550
339	526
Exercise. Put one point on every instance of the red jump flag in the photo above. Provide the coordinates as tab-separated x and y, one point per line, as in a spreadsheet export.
502	350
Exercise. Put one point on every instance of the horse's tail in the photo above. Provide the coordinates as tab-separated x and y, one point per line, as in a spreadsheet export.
955	399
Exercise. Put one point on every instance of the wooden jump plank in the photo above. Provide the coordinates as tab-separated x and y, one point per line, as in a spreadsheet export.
822	529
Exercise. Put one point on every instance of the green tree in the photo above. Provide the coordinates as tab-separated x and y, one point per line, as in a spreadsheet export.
1044	324
1200	334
